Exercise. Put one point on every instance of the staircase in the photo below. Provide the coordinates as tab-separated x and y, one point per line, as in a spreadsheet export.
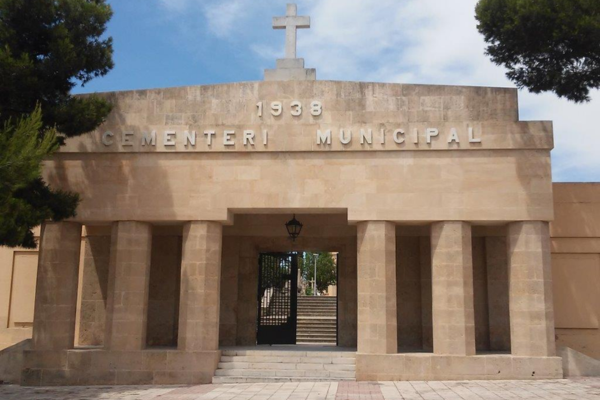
317	320
241	366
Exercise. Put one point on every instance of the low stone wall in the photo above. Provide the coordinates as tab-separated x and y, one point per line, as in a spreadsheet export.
100	367
11	362
577	365
424	367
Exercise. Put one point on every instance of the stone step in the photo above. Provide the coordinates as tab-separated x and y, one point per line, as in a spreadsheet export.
317	313
316	328
269	373
332	298
332	343
288	354
283	359
247	365
280	366
243	379
316	321
316	339
312	314
313	302
309	334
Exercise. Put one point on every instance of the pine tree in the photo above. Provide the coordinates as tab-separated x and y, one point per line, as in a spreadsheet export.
47	47
25	200
546	45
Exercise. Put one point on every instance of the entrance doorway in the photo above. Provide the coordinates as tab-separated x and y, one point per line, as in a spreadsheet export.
277	298
293	306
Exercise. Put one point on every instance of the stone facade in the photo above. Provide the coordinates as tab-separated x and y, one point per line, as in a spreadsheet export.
435	197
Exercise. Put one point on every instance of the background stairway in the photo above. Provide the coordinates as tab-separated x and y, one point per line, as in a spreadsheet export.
317	320
240	366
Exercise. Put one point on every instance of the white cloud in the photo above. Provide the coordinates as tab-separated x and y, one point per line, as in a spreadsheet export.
223	17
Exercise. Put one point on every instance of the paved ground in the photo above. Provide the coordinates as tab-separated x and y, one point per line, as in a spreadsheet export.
547	390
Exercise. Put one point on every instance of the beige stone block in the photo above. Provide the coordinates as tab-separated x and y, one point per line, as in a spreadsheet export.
377	314
56	288
452	288
531	307
200	286
134	377
128	281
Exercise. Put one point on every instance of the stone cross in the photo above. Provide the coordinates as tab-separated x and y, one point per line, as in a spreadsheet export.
291	23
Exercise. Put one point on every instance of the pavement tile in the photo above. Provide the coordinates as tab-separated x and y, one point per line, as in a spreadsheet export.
575	389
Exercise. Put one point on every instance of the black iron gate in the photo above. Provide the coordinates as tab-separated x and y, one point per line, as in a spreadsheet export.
277	298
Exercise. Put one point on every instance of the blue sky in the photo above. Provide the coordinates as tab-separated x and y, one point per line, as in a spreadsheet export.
164	43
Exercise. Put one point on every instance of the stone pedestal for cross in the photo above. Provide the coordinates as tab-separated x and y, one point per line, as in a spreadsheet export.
291	67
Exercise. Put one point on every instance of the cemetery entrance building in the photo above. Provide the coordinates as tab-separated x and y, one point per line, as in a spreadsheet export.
437	200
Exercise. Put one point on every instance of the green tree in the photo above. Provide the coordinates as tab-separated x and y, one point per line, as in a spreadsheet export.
546	45
47	47
24	198
326	270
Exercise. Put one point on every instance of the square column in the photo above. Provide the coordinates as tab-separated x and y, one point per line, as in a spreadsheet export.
530	290
200	286
128	281
452	288
56	290
377	315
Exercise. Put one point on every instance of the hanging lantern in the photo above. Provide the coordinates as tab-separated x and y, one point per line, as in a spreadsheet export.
294	227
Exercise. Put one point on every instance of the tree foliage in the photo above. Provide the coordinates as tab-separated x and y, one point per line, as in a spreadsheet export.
546	45
326	270
47	47
25	200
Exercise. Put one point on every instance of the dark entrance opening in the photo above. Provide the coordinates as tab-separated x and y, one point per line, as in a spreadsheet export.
277	298
292	307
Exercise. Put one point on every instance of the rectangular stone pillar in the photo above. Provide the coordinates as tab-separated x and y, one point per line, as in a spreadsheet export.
128	282
200	286
530	289
56	289
452	288
94	289
377	314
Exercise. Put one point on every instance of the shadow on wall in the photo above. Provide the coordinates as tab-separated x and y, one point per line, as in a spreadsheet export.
11	361
123	186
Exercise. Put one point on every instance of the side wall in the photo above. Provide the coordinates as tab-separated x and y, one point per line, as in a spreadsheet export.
18	270
576	266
